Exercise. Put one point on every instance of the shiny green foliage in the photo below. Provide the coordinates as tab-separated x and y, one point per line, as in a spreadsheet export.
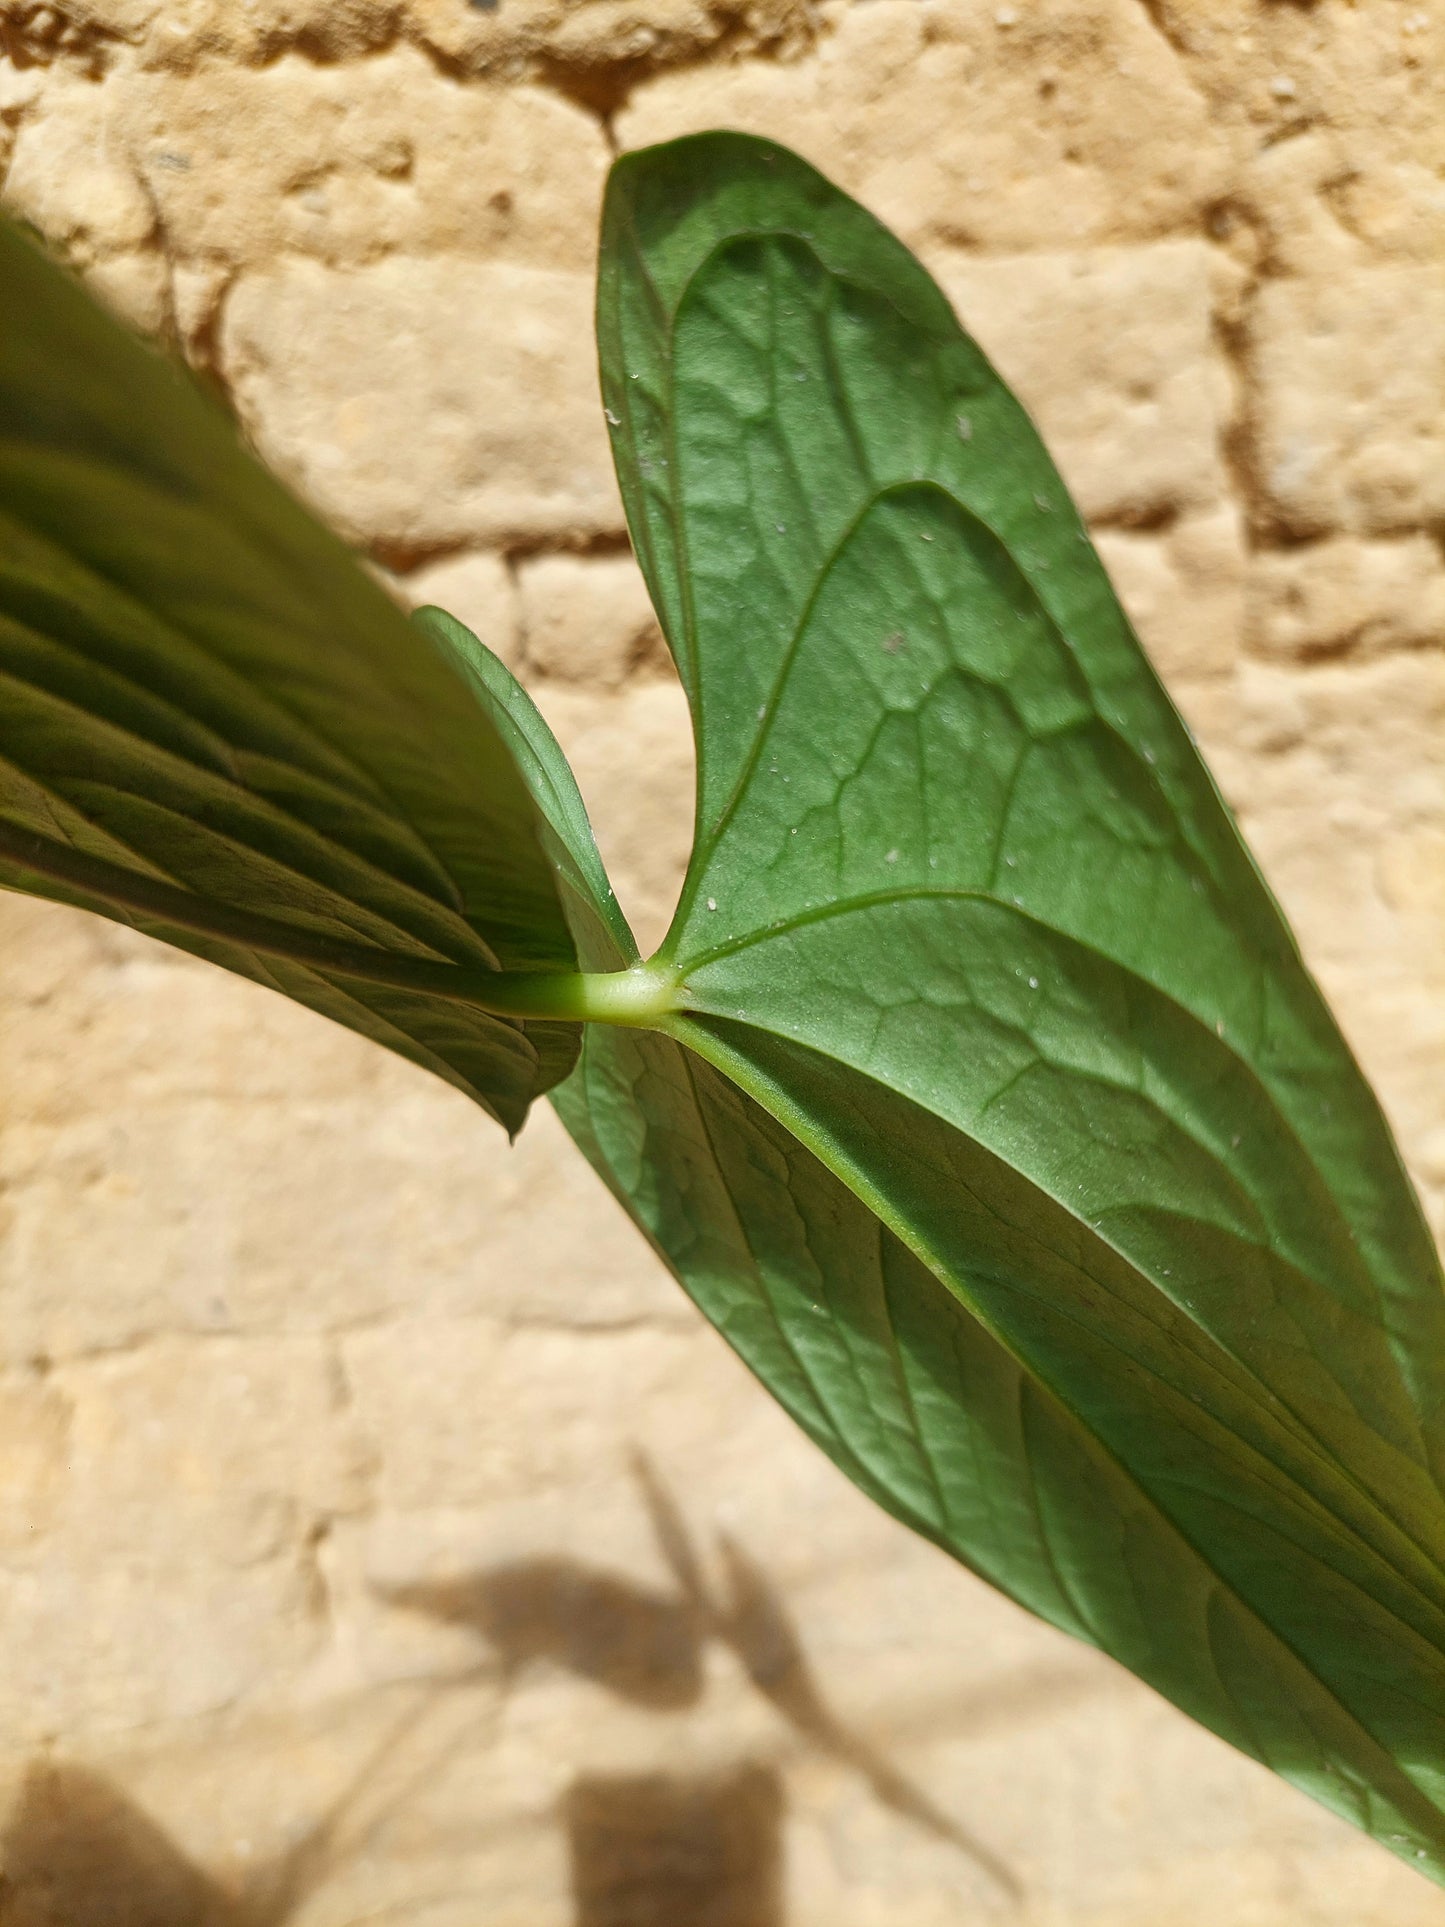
978	1094
203	697
1022	1160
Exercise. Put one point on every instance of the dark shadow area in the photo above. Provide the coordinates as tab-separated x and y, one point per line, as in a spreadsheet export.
752	1619
641	1645
648	1647
77	1853
656	1850
755	1623
702	1850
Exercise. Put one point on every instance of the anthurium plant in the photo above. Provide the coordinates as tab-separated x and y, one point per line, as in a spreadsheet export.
978	1094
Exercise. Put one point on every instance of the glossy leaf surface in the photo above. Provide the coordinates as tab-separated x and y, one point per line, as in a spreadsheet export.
1141	1317
203	697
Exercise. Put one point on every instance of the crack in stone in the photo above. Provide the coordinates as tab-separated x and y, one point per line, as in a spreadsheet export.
44	35
1157	14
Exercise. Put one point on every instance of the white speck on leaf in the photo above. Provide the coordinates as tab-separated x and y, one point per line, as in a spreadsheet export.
892	857
1042	502
712	903
616	420
965	429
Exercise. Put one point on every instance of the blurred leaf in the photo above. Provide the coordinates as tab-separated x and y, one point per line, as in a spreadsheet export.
215	727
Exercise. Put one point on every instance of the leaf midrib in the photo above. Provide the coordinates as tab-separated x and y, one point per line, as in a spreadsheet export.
818	1141
865	901
1294	1423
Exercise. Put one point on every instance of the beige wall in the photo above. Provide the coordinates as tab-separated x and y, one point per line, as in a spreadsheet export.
349	1461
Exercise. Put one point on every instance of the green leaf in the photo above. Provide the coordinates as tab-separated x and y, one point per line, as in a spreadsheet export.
1141	1319
217	728
604	941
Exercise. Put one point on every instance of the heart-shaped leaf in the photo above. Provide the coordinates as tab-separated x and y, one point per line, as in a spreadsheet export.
218	729
1060	1213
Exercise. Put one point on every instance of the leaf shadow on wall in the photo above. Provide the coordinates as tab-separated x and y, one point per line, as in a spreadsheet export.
77	1851
639	1844
685	1849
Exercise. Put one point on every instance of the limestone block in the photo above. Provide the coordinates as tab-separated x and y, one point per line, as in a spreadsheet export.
1338	779
151	1026
1184	592
72	177
102	33
350	163
584	39
137	287
1276	77
1364	597
1395	206
21	87
1349	372
588	619
595	44
35	1417
501	1407
963	122
1110	351
174	1570
176	1627
196	293
426	402
116	1234
74	40
208	1427
476	587
633	758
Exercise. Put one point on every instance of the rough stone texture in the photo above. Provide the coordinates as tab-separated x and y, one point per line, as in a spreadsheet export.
1133	417
406	398
478	588
1350	372
381	1536
588	621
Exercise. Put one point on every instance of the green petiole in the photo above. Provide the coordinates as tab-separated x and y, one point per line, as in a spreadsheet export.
644	995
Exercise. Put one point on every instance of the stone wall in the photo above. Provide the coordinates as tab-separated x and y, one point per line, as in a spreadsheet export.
381	1536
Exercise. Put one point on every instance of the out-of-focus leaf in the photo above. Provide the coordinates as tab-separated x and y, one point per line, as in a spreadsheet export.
213	723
